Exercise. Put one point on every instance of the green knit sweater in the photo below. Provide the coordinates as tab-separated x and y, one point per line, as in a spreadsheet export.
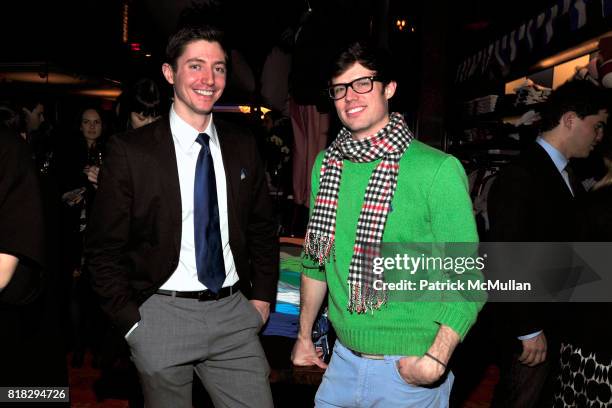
431	204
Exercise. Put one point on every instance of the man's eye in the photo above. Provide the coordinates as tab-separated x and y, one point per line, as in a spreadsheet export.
364	83
220	70
195	66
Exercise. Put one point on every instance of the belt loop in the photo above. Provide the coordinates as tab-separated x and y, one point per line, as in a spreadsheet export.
173	294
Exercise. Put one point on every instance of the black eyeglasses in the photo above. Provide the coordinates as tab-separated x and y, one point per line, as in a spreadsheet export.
360	85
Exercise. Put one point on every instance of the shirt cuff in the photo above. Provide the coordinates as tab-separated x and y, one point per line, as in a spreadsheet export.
131	330
529	336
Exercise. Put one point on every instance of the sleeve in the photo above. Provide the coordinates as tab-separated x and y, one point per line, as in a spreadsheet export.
310	267
509	206
453	221
510	218
107	237
21	219
262	234
21	211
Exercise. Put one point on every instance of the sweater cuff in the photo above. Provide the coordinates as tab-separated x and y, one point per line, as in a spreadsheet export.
312	269
455	319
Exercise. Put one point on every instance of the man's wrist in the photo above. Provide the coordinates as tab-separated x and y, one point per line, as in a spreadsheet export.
530	335
444	344
305	336
436	359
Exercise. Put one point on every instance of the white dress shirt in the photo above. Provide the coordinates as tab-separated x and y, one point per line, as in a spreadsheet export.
557	157
185	277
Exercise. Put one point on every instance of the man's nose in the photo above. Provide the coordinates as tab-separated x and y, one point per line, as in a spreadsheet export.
350	93
208	76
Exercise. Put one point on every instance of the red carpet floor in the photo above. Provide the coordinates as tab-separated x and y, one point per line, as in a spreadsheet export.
81	387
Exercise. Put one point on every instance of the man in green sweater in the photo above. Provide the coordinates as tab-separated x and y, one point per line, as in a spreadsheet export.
388	354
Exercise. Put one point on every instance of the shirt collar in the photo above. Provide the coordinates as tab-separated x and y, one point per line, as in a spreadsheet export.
557	157
185	135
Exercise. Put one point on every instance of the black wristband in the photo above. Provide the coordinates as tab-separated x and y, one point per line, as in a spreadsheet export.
436	360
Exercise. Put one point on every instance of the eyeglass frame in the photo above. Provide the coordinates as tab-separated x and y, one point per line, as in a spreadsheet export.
346	86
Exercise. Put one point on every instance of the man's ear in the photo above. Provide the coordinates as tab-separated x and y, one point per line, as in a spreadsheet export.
390	89
568	119
168	73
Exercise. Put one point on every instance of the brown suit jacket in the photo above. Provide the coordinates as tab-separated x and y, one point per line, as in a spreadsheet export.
134	232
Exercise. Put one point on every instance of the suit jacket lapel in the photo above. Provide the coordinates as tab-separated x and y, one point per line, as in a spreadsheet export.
165	155
232	170
552	173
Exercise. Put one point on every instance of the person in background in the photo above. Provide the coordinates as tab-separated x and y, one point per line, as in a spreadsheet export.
30	348
139	105
388	353
586	344
533	200
32	114
21	222
39	133
80	162
32	351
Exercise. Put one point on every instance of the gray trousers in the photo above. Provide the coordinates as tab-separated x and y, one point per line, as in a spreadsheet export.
217	339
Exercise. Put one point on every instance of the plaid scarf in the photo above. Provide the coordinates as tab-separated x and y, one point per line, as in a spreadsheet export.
389	144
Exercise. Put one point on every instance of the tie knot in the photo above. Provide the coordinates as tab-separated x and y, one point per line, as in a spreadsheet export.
203	139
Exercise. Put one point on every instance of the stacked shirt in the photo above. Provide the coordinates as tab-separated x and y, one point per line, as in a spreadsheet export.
284	318
531	93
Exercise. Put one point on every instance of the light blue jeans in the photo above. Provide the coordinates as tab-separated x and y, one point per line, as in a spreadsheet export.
356	382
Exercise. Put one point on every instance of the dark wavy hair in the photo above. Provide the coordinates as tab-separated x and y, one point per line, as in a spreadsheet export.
143	96
582	97
188	34
367	54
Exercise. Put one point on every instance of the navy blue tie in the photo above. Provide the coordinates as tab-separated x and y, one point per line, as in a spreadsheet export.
209	251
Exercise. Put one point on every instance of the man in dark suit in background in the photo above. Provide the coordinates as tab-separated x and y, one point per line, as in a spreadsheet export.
22	256
182	224
532	200
31	348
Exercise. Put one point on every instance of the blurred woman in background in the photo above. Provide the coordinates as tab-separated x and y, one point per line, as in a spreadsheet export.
139	105
80	164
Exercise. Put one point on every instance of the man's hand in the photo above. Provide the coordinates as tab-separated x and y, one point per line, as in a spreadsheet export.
262	307
419	371
305	354
425	370
73	197
8	265
92	174
534	350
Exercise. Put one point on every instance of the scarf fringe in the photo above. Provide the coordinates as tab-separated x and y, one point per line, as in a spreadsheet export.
318	247
363	299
